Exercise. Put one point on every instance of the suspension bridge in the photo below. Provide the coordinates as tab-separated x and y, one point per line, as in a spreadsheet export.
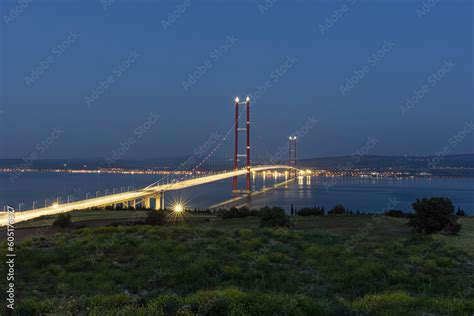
153	195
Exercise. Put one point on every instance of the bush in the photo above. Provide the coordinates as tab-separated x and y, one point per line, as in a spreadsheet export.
307	211
63	221
234	212
338	209
155	218
395	213
231	301
385	303
34	306
460	212
274	217
434	215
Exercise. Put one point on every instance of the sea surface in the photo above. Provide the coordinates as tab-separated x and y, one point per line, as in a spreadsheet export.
358	194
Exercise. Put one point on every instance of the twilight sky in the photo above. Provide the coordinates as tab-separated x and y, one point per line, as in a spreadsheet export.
161	76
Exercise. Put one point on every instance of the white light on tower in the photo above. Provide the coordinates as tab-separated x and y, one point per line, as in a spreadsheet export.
237	99
248	99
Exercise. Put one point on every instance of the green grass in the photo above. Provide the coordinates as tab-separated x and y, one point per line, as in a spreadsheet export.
84	216
207	266
465	239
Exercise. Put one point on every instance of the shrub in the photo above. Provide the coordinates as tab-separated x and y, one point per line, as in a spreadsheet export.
307	211
34	306
109	301
433	215
155	218
338	209
274	217
460	212
231	301
63	221
401	303
395	213
234	212
398	302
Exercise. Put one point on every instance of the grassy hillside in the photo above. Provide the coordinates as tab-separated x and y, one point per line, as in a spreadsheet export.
339	264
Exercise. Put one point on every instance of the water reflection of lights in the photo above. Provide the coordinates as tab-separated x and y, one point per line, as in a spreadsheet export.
300	180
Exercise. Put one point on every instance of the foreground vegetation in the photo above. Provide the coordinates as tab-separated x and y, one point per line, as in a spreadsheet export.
335	264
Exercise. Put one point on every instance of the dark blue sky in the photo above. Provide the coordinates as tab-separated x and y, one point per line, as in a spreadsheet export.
78	44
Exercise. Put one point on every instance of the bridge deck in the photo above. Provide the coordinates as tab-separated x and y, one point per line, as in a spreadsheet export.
129	196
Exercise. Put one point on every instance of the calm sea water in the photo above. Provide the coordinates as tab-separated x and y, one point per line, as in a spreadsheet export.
363	194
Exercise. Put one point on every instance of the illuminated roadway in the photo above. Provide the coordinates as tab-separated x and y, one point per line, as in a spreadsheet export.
118	198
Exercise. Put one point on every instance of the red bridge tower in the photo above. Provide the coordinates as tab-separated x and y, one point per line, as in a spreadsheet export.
236	143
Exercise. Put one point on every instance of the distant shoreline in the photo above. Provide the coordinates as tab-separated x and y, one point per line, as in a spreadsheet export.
467	173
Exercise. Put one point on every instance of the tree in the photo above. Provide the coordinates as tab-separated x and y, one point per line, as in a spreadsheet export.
338	209
433	215
395	213
155	218
460	212
274	217
234	212
63	221
315	211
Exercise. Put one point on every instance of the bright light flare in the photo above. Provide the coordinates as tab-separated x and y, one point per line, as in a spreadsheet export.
178	208
55	205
